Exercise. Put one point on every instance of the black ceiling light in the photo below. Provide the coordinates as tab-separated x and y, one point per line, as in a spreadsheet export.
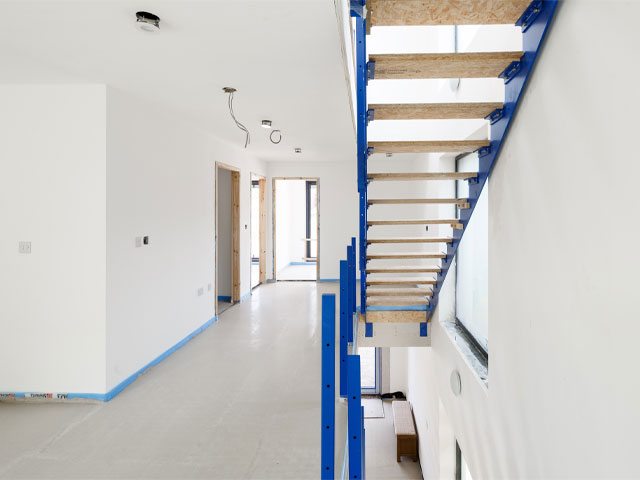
147	22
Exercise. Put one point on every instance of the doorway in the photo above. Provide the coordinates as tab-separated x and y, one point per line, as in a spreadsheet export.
296	228
258	231
227	244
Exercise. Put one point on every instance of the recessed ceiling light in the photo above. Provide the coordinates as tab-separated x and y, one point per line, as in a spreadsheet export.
147	22
266	123
298	150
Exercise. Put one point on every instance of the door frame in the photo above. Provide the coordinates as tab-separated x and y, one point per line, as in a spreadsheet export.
235	232
273	221
262	233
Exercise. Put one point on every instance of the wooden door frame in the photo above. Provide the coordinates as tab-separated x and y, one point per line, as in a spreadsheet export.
273	220
235	232
262	229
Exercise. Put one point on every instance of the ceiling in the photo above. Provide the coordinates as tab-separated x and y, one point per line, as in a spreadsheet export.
284	58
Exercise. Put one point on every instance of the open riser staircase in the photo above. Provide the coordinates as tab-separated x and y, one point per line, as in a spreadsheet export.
404	285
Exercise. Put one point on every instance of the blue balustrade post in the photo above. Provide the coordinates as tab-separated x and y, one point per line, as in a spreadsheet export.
354	413
354	300
343	327
350	294
328	385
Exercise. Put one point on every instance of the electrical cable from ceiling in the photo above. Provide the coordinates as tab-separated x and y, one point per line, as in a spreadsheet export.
279	136
230	91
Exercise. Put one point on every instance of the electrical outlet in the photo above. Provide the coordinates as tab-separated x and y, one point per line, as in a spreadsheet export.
138	242
24	247
200	291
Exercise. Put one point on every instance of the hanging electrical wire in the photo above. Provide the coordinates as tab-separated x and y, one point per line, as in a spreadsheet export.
230	91
271	137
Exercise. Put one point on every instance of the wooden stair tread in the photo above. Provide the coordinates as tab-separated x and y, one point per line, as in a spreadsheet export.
387	177
453	222
410	201
396	301
446	12
437	111
393	255
398	292
404	269
439	146
400	281
442	65
411	240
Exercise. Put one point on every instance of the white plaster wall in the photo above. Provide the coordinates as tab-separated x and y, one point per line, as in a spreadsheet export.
52	193
225	247
563	389
160	182
338	211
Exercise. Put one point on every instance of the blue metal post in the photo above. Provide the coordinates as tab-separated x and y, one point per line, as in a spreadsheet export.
350	294
354	412
353	275
362	448
343	327
328	385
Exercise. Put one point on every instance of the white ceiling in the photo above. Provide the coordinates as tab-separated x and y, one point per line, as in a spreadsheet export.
284	57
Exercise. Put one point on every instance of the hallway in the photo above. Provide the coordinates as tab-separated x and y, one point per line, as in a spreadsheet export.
241	400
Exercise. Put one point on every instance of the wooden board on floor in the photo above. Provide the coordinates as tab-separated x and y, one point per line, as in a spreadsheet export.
410	240
443	146
446	12
436	111
395	317
416	176
442	65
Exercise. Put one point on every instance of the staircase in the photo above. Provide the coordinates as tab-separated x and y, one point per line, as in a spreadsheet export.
404	286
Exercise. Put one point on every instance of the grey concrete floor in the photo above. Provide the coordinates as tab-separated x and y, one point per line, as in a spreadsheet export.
241	400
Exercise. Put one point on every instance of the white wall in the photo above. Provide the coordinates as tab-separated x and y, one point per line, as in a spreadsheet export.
338	210
563	388
52	193
225	226
164	188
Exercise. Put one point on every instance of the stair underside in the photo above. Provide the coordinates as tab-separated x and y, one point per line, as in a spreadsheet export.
398	292
400	281
389	177
440	146
446	12
410	240
432	111
396	301
394	316
405	255
413	201
442	65
404	269
451	222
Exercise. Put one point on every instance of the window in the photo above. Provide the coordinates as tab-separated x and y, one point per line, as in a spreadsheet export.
472	262
370	363
312	218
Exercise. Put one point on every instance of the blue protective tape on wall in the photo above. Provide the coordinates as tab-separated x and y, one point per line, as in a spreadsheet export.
224	298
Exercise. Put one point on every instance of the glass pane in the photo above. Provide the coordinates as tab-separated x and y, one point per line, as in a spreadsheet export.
255	221
367	367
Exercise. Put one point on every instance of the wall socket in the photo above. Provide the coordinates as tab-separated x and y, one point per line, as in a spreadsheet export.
200	291
24	247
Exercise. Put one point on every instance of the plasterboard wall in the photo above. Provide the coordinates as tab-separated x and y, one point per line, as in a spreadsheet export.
164	188
52	193
563	390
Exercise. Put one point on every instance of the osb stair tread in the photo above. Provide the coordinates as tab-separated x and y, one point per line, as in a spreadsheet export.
389	255
446	12
398	201
436	111
421	176
400	281
398	316
399	292
396	301
442	65
404	269
431	146
452	222
411	240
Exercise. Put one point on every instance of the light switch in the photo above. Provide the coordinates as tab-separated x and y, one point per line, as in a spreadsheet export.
138	242
24	247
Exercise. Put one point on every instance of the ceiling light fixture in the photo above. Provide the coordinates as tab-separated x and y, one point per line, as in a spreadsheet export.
266	123
147	22
298	150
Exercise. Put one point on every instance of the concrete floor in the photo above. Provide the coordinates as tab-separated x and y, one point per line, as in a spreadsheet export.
241	400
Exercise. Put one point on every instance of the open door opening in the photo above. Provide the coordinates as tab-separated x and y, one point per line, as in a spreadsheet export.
296	228
227	237
258	231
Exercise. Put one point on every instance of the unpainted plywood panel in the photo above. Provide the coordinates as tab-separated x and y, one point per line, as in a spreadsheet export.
400	281
398	292
396	301
412	201
410	240
414	176
404	269
396	317
439	146
435	111
374	256
446	12
442	65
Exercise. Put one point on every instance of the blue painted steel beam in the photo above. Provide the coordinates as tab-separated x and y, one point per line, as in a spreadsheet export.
537	24
328	385
354	300
354	420
344	322
350	294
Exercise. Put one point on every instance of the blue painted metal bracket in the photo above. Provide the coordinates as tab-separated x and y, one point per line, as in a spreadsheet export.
529	15
328	385
357	8
368	329
354	413
532	40
511	71
344	327
494	116
371	70
423	328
